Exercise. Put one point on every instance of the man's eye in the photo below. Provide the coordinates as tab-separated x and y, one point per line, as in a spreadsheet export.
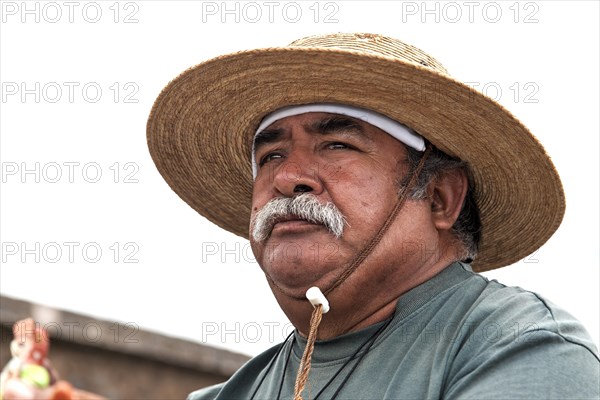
337	146
269	157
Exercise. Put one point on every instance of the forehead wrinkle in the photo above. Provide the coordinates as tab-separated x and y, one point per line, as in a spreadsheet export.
340	124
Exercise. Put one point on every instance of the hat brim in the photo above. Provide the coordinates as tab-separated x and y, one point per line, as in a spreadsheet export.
201	127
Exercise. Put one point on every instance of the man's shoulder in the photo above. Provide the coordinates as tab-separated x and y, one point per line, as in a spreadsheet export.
242	381
517	313
475	314
514	343
207	393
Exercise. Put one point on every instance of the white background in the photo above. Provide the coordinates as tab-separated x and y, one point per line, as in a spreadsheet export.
177	286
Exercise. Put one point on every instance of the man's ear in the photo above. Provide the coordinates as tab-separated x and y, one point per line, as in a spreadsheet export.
447	195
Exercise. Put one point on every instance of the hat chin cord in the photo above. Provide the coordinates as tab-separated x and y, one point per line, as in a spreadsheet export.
318	299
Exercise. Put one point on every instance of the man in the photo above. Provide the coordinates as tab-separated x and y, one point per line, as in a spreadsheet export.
369	176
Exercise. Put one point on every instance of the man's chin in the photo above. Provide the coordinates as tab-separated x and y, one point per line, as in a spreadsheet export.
299	252
296	286
295	262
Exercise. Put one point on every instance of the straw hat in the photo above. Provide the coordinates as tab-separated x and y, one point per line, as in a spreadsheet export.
201	127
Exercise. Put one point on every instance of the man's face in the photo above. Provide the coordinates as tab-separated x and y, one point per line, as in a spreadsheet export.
340	160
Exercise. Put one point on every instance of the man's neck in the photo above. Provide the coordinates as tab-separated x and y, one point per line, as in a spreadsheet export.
357	306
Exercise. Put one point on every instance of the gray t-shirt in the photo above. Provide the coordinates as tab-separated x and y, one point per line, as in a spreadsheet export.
457	335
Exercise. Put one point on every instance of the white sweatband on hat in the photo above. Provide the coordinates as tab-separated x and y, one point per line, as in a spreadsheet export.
386	124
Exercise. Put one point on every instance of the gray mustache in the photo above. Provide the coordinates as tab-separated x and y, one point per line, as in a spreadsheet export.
305	206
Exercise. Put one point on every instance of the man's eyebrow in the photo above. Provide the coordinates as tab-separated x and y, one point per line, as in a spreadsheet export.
267	136
335	124
338	124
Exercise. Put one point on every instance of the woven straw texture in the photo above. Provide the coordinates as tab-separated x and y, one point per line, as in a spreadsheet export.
201	127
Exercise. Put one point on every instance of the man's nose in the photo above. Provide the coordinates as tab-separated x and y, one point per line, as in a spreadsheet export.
298	174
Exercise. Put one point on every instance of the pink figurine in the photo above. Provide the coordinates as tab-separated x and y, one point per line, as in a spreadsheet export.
29	374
